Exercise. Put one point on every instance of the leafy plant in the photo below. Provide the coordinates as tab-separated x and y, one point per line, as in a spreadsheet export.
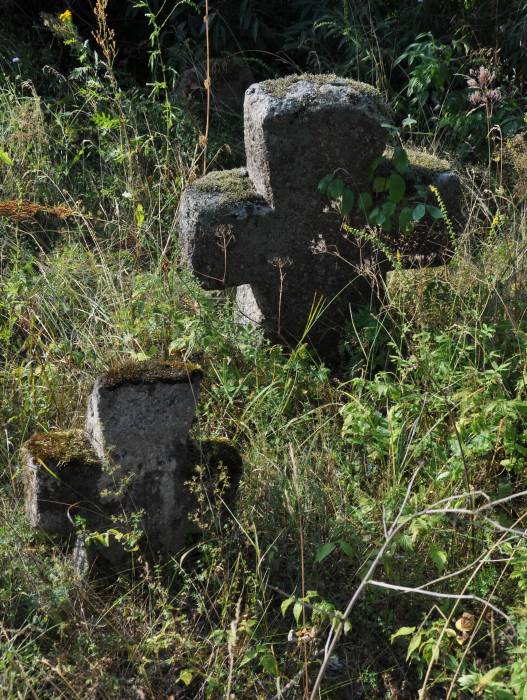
396	193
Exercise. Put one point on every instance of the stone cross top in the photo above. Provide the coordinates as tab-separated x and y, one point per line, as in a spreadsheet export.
262	228
134	456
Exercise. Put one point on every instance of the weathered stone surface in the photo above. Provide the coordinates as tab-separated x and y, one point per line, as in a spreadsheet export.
134	456
267	231
138	421
61	473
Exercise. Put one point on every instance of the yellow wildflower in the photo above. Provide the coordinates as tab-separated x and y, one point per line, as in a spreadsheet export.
65	16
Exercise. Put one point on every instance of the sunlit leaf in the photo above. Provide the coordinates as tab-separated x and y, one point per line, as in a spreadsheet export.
186	676
415	643
286	604
297	610
402	632
5	158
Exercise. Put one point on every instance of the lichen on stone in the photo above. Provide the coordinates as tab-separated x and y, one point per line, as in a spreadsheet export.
234	184
150	372
60	448
279	87
374	101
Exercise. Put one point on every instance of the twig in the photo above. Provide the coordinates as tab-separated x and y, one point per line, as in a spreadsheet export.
438	594
396	527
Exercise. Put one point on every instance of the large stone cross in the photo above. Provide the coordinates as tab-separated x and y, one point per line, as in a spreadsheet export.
266	230
132	463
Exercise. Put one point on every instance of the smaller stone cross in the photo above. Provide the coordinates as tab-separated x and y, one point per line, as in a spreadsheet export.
134	457
266	230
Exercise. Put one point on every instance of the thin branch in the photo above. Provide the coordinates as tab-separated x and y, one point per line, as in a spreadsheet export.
438	594
397	526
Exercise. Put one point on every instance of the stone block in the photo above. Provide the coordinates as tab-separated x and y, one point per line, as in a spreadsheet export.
266	229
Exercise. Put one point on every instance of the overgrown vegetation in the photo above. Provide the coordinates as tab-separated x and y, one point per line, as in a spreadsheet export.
406	467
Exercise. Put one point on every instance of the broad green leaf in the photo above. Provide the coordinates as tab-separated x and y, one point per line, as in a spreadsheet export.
405	219
324	183
217	636
400	160
418	212
402	632
469	680
374	165
504	694
434	212
249	656
388	208
324	551
269	664
286	604
376	217
5	157
439	557
365	202
489	677
379	184
348	199
346	548
415	643
396	187
335	188
186	676
297	611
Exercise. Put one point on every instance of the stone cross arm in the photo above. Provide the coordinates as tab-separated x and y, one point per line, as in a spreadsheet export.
263	228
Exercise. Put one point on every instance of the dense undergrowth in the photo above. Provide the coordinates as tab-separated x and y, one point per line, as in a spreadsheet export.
412	455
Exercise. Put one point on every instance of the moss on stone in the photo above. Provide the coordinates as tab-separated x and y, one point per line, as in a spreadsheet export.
427	161
150	372
279	87
60	448
235	185
421	160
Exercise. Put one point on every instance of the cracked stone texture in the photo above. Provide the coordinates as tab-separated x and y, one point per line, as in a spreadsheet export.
263	229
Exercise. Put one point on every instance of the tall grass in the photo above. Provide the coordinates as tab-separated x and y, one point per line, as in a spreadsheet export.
430	394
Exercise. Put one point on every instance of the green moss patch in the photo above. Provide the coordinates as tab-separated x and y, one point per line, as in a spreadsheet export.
235	185
61	447
427	161
150	372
